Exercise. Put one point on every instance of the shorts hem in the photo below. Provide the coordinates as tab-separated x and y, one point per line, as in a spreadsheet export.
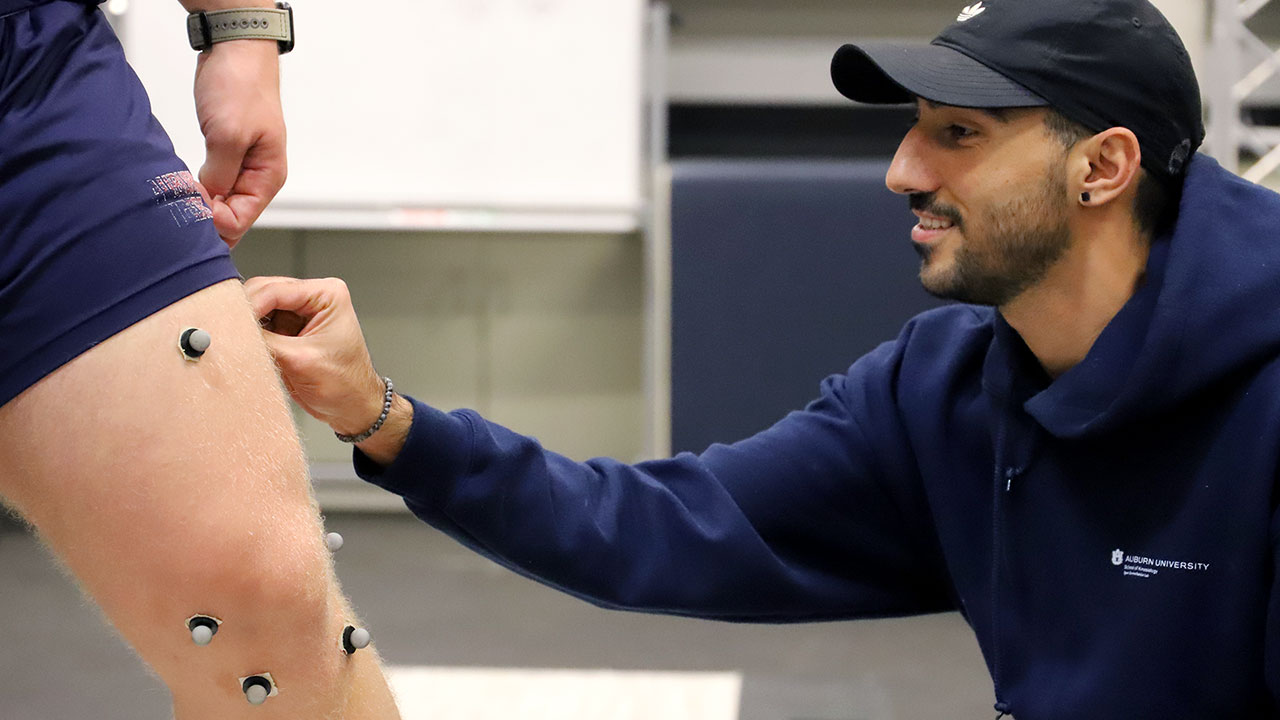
111	320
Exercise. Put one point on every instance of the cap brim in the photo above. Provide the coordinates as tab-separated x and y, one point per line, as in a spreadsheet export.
884	74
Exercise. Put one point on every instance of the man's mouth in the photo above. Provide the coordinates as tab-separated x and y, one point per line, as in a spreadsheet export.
930	229
932	223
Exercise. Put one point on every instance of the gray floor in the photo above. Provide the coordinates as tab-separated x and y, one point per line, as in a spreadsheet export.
430	602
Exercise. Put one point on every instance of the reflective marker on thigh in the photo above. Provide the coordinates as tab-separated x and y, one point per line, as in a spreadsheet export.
354	638
257	688
202	628
202	635
334	541
193	343
256	694
360	638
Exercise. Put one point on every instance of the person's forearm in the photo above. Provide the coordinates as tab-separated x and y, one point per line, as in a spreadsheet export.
386	444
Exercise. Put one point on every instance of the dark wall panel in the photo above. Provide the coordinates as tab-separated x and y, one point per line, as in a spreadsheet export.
784	272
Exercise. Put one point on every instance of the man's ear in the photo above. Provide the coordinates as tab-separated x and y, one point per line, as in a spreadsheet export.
1110	163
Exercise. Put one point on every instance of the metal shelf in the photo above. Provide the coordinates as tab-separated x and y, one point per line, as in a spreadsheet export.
1237	81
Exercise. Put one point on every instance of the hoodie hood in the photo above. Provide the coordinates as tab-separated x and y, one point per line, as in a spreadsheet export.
1208	312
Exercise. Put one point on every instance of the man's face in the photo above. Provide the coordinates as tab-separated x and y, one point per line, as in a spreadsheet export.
990	191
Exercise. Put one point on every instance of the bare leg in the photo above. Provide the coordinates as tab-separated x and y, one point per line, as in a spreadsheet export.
171	488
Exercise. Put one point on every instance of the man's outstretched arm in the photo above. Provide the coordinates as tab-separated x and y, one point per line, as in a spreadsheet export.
818	517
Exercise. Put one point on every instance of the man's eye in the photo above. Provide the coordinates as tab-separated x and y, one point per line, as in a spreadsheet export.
959	132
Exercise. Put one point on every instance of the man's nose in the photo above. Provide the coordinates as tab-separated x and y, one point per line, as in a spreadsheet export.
909	174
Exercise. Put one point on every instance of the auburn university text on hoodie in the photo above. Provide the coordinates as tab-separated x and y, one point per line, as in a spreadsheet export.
1110	535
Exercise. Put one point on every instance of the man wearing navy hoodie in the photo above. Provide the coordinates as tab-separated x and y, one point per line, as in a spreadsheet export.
1080	456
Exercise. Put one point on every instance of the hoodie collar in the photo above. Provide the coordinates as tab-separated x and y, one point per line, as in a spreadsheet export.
1084	393
1206	319
1066	406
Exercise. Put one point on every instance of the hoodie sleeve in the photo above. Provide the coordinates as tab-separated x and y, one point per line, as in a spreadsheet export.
1271	644
819	517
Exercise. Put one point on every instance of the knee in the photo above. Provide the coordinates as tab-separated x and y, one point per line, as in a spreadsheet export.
280	621
278	585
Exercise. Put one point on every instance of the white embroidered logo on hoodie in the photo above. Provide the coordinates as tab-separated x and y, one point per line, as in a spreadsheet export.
1146	567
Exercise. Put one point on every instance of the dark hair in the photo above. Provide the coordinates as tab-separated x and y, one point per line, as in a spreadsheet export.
1156	205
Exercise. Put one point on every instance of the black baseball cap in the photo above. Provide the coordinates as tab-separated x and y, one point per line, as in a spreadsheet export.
1101	63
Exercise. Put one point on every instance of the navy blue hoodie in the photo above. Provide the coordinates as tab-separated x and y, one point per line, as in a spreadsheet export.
1110	535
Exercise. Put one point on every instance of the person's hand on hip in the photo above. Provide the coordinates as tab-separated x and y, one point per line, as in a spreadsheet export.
237	91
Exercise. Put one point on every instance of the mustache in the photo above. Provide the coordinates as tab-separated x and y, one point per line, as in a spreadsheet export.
928	203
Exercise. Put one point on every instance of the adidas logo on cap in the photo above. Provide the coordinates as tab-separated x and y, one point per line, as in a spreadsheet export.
971	12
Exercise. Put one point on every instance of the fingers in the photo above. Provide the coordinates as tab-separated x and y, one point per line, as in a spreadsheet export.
284	322
311	329
244	211
204	194
224	154
251	189
291	304
294	357
269	294
224	221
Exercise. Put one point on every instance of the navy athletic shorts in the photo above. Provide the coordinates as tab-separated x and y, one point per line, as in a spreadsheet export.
100	223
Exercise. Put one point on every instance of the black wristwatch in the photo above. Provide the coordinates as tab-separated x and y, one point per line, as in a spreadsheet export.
206	28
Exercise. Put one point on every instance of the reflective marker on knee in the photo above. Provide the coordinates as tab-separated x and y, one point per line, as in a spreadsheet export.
202	628
334	541
257	688
202	632
193	343
256	693
354	638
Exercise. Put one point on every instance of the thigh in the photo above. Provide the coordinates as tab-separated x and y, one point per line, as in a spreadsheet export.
171	488
142	470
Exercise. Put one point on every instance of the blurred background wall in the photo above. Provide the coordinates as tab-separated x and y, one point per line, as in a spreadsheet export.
572	333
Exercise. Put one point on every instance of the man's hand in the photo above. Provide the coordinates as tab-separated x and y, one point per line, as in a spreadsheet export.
312	329
237	90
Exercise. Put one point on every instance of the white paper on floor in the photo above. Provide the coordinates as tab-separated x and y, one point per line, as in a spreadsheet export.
440	693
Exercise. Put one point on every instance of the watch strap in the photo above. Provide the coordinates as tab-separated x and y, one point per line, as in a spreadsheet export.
206	28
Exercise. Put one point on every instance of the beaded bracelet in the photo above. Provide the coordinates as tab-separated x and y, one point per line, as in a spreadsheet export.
386	409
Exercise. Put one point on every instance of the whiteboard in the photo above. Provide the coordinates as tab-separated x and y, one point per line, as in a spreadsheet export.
436	103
